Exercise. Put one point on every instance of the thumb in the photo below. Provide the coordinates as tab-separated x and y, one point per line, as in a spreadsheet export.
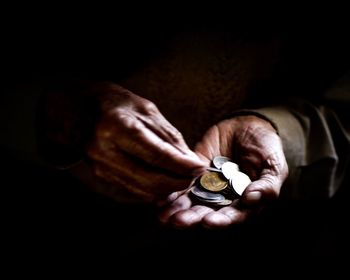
266	188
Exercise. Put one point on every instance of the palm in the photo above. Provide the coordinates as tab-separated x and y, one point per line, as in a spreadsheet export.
255	146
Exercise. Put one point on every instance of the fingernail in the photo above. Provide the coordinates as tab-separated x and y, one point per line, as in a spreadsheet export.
252	197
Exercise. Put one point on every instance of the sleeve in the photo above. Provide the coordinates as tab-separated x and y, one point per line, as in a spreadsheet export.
66	115
316	142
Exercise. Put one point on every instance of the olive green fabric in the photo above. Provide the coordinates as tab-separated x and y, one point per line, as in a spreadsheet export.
316	141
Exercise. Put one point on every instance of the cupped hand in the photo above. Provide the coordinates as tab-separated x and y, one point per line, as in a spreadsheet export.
135	148
255	146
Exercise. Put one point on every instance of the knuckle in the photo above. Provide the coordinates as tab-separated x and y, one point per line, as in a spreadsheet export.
122	120
150	108
133	125
177	135
117	112
128	121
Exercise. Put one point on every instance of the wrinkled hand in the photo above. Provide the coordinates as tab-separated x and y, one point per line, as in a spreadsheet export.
255	146
137	149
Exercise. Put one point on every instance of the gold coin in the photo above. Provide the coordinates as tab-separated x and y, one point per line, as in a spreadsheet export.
212	181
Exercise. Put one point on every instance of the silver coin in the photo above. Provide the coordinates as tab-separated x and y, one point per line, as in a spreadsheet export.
214	169
239	182
221	203
207	195
229	169
210	201
218	161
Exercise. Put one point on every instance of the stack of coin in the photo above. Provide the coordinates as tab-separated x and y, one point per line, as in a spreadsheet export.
221	184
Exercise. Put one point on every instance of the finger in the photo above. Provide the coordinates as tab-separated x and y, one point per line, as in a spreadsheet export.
190	217
139	175
183	202
170	198
225	216
148	113
136	139
162	128
266	188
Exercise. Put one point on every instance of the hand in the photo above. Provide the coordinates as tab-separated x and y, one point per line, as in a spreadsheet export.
255	146
137	149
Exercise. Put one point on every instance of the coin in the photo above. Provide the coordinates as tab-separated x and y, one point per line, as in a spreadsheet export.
212	181
224	202
207	196
214	169
239	182
221	184
218	161
229	169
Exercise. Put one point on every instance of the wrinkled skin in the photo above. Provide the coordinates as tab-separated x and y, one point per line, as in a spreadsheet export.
252	143
137	149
